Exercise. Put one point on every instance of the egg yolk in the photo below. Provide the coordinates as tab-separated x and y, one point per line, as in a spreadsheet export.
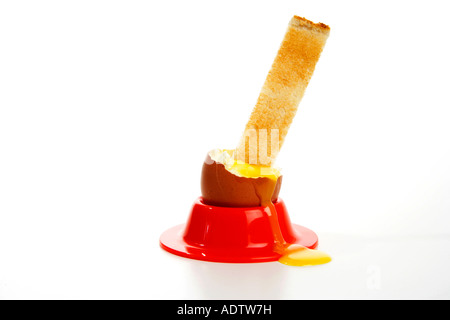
253	171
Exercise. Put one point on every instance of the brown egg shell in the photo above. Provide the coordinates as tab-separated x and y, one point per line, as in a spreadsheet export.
222	188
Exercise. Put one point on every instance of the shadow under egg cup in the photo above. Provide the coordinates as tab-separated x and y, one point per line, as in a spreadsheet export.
233	234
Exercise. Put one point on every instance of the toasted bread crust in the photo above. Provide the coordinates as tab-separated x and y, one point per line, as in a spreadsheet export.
284	87
301	22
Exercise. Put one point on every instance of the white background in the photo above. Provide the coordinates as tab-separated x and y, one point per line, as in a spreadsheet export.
107	110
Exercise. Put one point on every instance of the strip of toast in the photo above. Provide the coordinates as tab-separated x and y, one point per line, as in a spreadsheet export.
282	91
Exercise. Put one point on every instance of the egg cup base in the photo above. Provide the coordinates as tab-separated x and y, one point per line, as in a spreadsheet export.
233	235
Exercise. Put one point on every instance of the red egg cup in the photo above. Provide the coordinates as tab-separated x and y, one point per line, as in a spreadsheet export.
234	235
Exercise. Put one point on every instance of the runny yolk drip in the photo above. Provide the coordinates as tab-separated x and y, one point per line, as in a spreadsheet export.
291	254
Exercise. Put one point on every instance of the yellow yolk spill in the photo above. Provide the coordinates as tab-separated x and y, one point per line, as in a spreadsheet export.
291	254
297	255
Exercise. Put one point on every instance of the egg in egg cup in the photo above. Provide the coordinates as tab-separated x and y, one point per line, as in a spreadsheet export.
239	217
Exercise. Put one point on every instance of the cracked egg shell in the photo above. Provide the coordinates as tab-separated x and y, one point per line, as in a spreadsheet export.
222	188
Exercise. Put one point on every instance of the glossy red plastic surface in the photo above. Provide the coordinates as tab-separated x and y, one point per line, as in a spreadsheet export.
237	235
